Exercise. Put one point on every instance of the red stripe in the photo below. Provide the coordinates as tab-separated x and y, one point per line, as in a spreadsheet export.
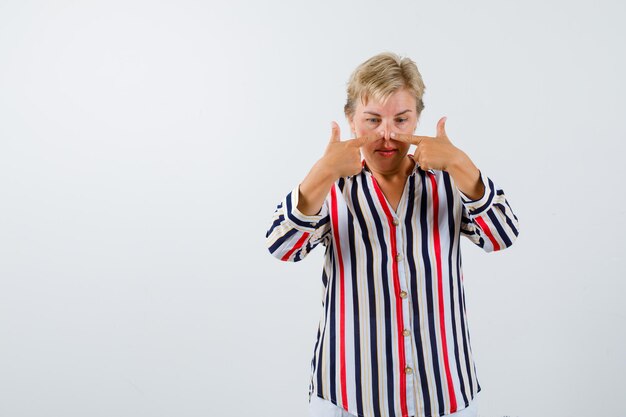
297	246
396	283
487	231
342	304
442	321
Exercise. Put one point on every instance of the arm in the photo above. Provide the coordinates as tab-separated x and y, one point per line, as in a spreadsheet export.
487	218
488	221
293	235
302	221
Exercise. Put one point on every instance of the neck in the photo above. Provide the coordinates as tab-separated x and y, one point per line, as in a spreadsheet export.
399	174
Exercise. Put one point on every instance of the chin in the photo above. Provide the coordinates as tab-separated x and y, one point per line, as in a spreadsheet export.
385	165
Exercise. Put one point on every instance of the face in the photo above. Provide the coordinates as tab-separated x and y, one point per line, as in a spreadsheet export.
398	114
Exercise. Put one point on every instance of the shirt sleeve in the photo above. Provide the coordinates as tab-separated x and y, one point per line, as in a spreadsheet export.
293	235
489	221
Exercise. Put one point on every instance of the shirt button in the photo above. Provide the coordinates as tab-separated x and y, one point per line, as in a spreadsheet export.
406	332
403	294
399	257
396	222
408	370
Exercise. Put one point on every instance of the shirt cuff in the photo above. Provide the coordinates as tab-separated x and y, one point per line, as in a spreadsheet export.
475	207
299	220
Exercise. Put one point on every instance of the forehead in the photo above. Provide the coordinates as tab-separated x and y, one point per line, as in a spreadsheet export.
399	101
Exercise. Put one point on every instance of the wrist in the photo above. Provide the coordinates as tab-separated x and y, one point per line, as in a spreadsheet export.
325	170
459	162
466	175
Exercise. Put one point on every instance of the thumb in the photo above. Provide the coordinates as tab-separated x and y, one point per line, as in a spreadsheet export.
441	127
336	134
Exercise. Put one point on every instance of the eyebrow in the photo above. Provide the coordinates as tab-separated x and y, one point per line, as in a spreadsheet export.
376	114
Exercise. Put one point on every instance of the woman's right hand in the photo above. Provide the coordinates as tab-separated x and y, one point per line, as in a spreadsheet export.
343	158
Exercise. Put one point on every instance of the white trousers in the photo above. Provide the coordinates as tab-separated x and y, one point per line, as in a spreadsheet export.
319	407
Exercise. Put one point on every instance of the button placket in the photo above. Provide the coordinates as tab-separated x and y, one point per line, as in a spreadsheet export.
405	311
405	336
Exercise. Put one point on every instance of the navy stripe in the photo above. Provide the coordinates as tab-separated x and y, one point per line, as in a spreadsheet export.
384	269
276	223
508	220
489	200
509	206
294	218
428	276
313	361
323	222
371	297
421	363
501	232
332	332
324	275
469	346
355	314
280	241
452	239
320	383
465	345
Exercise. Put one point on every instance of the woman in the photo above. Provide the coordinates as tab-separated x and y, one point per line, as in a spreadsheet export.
393	337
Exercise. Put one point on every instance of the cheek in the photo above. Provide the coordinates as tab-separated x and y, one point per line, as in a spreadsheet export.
403	148
368	149
362	128
408	128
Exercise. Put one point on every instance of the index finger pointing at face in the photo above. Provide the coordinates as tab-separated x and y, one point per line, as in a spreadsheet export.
362	140
415	140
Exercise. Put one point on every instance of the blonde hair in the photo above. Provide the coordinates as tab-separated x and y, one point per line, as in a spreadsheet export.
381	76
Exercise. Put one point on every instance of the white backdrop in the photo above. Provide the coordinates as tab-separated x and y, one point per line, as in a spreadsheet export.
145	144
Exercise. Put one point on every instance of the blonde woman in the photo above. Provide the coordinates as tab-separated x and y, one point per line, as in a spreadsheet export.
393	337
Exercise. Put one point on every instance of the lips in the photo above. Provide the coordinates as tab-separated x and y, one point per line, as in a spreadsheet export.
386	152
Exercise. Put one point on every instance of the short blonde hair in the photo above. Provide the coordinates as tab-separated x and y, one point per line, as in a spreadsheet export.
381	76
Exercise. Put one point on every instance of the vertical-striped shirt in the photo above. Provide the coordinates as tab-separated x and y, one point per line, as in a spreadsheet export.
393	337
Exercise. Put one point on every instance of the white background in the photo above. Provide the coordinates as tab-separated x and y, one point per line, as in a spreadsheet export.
145	144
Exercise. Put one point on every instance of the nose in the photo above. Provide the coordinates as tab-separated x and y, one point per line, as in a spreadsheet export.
384	131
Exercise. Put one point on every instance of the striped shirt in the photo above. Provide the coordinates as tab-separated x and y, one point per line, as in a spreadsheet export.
393	337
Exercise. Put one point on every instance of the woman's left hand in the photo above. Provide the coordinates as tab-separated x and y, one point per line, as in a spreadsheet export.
433	152
440	154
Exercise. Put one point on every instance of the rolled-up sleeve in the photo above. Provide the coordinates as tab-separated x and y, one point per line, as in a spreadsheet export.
489	221
292	234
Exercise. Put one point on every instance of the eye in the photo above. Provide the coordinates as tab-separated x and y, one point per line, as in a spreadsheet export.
402	119
373	120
